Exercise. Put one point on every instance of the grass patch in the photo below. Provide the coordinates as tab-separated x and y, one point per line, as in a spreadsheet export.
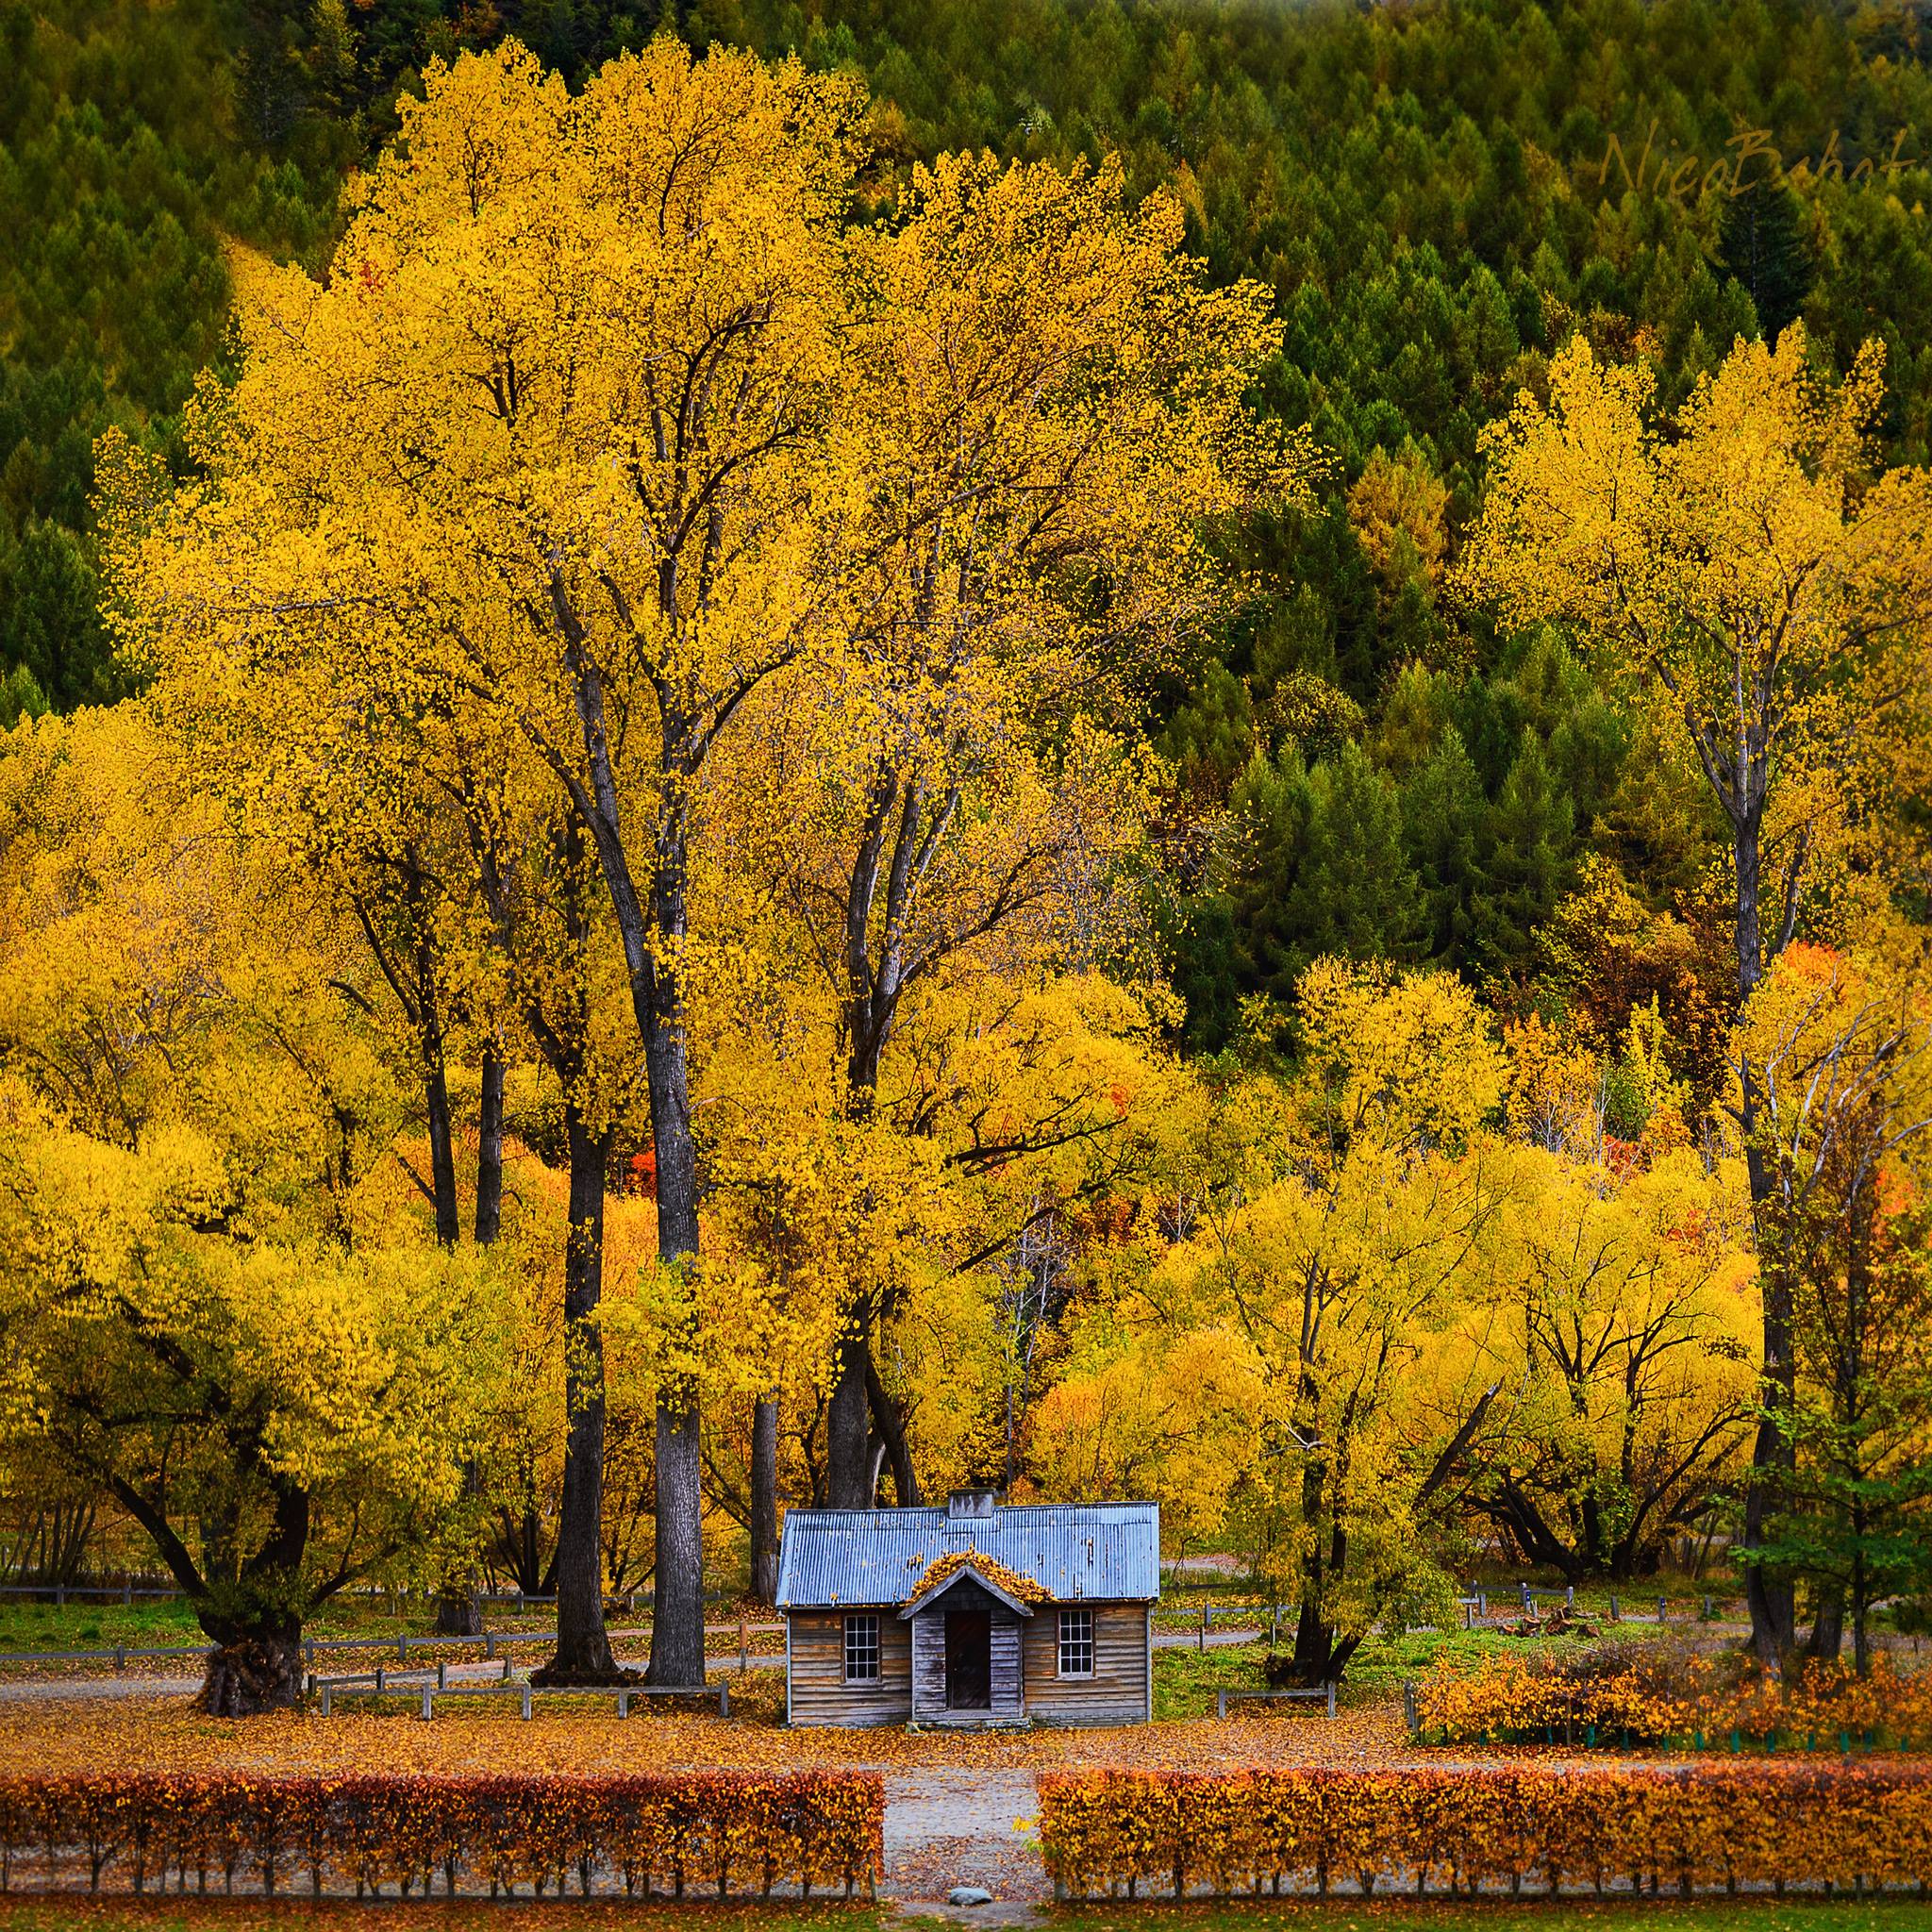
1186	1680
96	1624
168	1622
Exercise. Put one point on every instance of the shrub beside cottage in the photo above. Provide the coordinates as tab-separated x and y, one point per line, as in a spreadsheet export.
973	1615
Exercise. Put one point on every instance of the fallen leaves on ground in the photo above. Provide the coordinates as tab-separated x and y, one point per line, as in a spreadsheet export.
167	1734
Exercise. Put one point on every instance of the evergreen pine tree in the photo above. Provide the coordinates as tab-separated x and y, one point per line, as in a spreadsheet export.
1268	826
1198	940
1211	738
1526	865
1443	807
1357	894
1761	243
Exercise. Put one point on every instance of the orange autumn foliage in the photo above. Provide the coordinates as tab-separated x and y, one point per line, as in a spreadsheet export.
991	1567
1516	1699
657	1832
1468	1829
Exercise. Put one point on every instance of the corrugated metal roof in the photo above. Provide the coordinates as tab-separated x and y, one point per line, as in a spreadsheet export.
1109	1551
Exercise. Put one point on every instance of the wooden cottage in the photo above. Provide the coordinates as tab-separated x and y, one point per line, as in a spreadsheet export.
971	1615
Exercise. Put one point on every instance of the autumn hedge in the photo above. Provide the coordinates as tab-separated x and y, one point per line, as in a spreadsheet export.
1602	1698
1505	1829
714	1833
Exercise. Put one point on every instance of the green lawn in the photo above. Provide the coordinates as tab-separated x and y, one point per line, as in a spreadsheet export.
1185	1679
92	1623
95	1625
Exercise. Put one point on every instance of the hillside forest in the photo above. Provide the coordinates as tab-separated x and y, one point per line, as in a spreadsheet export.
759	755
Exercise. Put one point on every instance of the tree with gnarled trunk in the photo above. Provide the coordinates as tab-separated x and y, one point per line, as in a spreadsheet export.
1742	570
220	1305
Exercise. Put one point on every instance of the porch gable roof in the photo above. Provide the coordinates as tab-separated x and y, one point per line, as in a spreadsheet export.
924	1599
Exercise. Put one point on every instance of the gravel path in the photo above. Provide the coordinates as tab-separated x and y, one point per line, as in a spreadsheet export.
957	1827
51	1690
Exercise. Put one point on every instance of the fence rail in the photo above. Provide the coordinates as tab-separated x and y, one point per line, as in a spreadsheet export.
527	1694
126	1593
119	1655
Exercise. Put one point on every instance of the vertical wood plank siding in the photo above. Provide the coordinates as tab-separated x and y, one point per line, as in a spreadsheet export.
1008	1700
928	1667
820	1695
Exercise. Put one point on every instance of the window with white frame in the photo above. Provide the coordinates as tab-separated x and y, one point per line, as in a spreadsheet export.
863	1648
1077	1644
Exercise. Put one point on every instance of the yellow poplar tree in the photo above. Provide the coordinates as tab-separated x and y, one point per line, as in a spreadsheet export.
1300	1348
1743	570
1621	1329
549	422
1045	416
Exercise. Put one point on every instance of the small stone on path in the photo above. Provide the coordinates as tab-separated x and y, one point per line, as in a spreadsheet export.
968	1896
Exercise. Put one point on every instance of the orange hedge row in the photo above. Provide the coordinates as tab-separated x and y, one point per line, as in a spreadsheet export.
654	1833
1537	1701
1486	1830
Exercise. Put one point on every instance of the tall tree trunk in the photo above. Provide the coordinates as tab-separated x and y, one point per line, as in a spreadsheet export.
652	941
490	1150
583	1649
1861	1222
764	1498
1314	1636
1771	1600
678	1624
459	1608
1828	1626
1862	1592
892	1431
848	1447
443	1162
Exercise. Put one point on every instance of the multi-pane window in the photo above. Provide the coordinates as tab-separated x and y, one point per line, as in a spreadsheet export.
861	1648
1077	1644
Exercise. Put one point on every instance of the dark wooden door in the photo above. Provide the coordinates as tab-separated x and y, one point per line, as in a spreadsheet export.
969	1661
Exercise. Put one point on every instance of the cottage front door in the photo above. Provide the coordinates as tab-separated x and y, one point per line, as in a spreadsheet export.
969	1661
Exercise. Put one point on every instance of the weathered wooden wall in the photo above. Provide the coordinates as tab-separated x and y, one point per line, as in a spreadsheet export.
1025	1669
820	1695
928	1667
1008	1687
1117	1691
